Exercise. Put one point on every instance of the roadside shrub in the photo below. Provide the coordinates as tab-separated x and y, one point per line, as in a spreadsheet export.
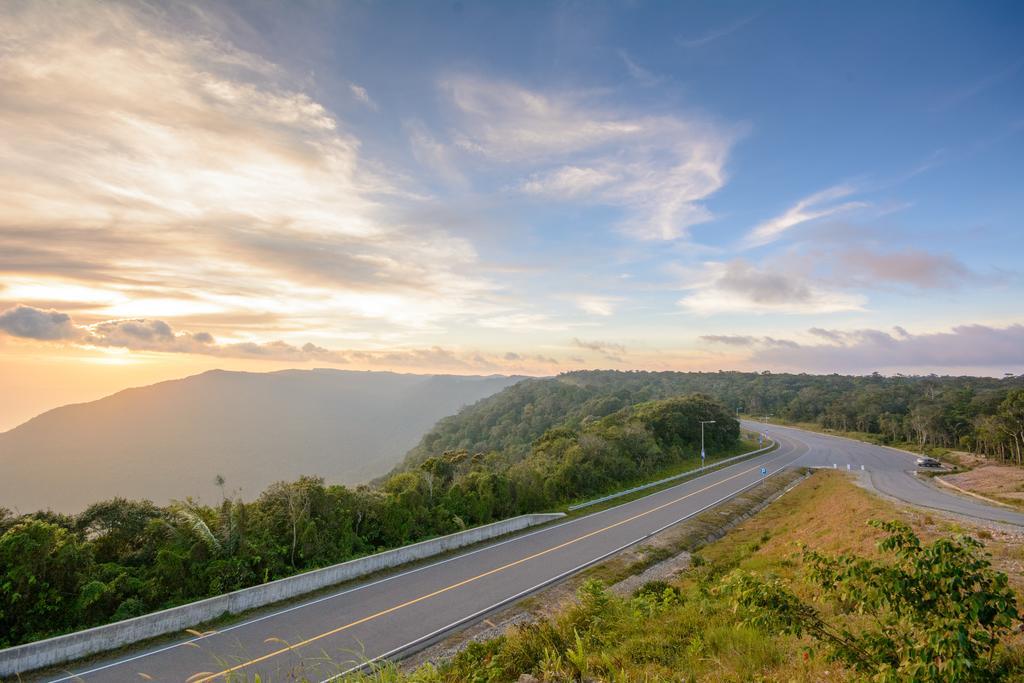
936	612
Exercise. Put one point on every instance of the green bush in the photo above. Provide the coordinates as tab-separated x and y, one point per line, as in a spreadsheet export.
932	613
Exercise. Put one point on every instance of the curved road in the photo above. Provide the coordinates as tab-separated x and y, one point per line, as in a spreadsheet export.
406	611
890	471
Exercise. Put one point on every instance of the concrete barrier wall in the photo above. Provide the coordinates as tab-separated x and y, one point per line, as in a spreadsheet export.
60	649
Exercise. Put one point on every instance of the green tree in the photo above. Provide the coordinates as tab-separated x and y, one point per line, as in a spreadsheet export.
117	528
1011	421
44	568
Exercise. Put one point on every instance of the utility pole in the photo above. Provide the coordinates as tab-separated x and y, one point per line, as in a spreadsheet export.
702	423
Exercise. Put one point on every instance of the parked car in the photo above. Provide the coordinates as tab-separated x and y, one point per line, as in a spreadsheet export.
925	461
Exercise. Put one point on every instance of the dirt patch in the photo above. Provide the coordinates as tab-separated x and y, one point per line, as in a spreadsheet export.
998	482
968	460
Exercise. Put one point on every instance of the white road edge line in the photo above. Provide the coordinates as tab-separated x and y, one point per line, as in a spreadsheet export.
544	583
81	674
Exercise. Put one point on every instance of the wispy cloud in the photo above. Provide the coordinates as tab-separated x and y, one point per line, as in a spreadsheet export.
222	189
739	286
610	350
571	146
568	182
747	340
159	336
643	76
730	339
963	348
362	96
598	305
714	34
433	154
865	350
981	85
867	267
818	205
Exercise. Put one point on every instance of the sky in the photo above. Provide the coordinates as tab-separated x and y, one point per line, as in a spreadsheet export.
517	188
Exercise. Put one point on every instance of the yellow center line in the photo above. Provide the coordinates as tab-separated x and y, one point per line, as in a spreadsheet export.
452	587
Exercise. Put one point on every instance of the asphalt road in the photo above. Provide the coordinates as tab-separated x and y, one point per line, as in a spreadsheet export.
398	614
890	471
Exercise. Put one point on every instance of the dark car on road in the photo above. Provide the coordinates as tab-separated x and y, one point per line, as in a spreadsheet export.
925	461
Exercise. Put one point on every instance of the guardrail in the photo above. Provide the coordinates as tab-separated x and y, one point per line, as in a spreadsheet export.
60	649
674	477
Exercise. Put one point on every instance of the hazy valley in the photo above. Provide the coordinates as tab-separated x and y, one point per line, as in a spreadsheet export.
171	439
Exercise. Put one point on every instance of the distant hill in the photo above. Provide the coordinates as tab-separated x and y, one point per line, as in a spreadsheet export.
928	410
171	439
510	420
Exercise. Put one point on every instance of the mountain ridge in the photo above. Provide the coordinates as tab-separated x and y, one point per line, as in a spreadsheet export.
171	438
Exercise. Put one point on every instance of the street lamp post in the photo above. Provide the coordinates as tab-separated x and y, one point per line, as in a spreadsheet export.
760	437
702	423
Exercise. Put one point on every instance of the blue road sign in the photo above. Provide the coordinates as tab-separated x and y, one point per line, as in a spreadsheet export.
764	471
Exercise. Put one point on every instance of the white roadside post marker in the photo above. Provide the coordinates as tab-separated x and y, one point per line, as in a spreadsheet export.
847	467
835	466
702	423
862	468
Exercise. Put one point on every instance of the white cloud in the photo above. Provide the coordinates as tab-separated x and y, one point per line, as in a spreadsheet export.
818	205
598	305
362	96
658	169
144	161
641	75
567	182
433	154
714	34
519	322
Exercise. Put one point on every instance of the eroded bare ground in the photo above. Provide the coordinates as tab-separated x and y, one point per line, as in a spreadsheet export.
1001	483
661	557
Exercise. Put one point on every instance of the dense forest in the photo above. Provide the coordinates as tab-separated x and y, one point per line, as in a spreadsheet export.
980	414
121	558
533	446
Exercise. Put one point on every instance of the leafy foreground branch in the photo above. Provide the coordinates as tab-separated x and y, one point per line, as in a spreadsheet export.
935	612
